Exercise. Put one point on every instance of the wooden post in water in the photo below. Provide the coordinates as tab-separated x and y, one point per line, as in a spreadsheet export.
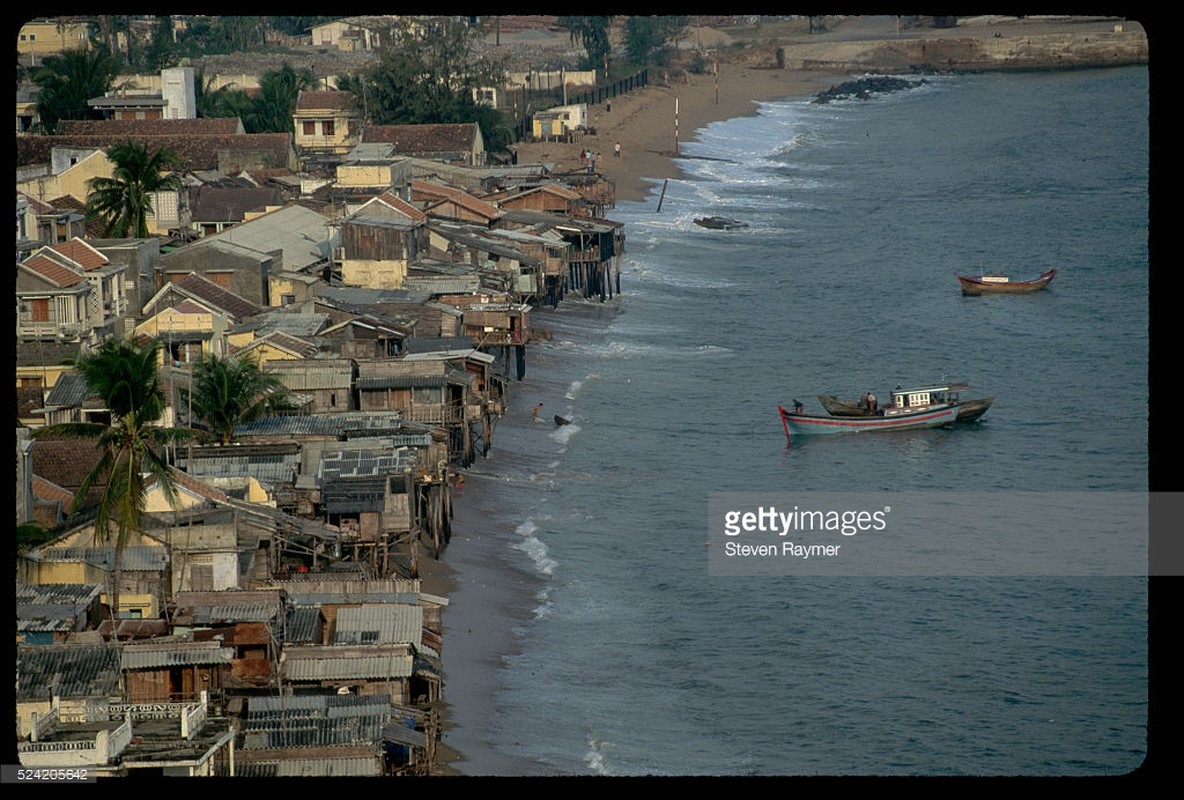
676	127
662	196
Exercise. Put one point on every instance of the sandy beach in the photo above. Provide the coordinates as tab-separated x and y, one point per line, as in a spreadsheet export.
644	122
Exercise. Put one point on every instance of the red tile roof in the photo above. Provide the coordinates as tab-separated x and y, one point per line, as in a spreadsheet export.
52	271
438	138
66	461
402	206
221	126
424	190
316	100
195	152
81	254
204	289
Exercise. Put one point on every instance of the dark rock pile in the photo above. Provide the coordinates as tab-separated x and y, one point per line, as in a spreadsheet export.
864	88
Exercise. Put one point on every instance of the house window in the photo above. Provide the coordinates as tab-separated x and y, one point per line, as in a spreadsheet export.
310	129
221	279
327	127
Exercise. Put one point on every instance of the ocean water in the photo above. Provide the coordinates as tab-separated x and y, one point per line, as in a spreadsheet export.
633	659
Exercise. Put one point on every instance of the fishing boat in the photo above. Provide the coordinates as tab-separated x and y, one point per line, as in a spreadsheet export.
968	410
720	223
975	285
886	419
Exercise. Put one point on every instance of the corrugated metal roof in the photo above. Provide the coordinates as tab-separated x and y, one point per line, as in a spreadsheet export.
355	767
310	732
361	463
347	662
287	229
151	655
359	296
443	285
228	612
279	468
402	382
370	667
348	584
70	391
337	425
303	625
399	733
293	324
46	624
323	597
340	705
137	559
379	624
69	670
65	594
375	221
445	355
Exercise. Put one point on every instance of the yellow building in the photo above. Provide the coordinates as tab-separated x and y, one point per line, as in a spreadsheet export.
48	36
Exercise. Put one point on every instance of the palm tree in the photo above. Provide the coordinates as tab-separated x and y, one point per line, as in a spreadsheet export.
230	391
124	374
123	201
278	92
68	80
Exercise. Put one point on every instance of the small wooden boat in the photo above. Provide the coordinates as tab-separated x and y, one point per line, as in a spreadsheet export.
887	419
975	285
968	410
721	223
562	420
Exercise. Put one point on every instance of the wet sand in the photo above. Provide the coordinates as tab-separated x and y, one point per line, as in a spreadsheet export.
644	122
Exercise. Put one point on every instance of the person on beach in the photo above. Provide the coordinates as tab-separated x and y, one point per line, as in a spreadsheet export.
534	412
617	149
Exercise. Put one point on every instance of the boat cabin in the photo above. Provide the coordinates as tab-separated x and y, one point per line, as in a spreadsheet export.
915	399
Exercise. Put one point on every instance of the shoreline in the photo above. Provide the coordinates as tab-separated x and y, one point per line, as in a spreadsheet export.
493	578
491	592
645	122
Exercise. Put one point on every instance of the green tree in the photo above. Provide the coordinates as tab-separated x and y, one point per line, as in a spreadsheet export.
229	391
649	40
161	50
68	80
428	74
124	373
220	102
278	91
228	33
592	33
122	202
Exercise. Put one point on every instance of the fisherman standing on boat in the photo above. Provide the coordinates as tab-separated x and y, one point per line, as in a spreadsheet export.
869	403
